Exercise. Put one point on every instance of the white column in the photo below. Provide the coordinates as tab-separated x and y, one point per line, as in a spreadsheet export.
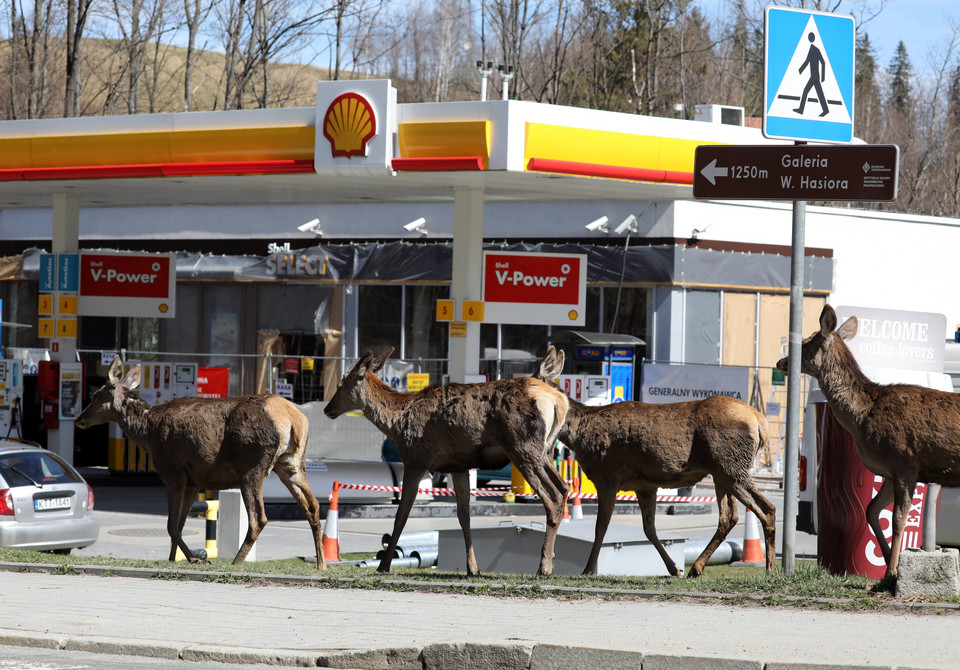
467	274
66	239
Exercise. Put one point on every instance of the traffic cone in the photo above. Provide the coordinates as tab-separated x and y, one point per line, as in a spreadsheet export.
577	512
331	543
566	509
752	542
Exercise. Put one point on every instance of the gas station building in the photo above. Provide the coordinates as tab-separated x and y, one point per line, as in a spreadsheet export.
402	201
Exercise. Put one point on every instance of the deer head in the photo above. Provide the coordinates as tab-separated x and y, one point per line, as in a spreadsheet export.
107	402
820	348
352	390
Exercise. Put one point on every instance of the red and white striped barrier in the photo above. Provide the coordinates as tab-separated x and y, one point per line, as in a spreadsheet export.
500	491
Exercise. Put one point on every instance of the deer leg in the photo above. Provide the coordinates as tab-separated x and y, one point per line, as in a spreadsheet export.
412	474
461	487
727	521
606	499
544	483
747	493
647	499
902	497
256	517
295	480
179	501
880	501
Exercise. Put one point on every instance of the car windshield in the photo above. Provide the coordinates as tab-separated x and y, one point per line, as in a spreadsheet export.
35	468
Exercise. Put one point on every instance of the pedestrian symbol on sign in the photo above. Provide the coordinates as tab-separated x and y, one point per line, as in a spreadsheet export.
817	74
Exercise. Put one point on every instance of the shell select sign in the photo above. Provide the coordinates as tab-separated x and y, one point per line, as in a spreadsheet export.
141	285
534	288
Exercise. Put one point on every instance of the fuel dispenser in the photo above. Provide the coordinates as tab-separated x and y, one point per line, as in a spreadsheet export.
11	391
607	355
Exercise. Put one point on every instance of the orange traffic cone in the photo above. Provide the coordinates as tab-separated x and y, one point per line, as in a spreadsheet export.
577	512
566	509
331	542
752	542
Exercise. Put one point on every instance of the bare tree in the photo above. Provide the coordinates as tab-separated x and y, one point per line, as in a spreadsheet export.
195	12
77	13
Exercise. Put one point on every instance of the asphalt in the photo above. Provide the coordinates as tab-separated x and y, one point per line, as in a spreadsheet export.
296	623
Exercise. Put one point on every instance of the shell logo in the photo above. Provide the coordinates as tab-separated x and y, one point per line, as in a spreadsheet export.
349	124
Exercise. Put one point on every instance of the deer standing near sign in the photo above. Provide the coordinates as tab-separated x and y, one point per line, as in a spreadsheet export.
457	427
215	443
641	447
902	432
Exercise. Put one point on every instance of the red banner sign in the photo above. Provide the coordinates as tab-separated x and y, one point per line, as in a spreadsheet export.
213	382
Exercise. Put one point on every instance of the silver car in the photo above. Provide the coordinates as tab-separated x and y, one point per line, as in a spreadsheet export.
45	505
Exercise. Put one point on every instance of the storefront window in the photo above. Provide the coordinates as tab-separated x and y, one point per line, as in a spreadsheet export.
378	326
702	328
425	337
222	307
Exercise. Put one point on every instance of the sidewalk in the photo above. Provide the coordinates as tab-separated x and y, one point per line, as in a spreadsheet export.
350	628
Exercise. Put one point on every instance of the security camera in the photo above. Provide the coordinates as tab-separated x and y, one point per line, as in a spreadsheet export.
417	224
629	223
600	224
312	226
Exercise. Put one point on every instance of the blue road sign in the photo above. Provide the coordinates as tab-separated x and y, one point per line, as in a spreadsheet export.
48	273
808	75
68	272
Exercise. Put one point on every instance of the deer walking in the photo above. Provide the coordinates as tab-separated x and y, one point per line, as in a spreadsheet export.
215	443
902	432
641	447
457	427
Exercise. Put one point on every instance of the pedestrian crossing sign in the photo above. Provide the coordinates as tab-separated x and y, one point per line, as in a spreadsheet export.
808	75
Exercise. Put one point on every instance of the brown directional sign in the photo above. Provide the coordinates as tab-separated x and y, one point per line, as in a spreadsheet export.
796	172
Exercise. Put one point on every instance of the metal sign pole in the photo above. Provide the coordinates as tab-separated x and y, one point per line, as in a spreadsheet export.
791	454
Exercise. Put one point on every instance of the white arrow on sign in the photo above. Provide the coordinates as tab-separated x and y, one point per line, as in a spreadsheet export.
711	172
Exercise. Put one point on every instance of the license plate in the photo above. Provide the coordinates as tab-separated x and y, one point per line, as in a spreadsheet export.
44	504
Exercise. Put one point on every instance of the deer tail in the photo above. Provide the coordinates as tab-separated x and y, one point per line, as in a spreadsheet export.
762	436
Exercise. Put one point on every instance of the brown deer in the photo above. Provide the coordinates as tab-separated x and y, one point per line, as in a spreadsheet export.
215	443
640	447
457	427
903	433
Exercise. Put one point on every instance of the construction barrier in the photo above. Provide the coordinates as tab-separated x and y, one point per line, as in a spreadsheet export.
501	491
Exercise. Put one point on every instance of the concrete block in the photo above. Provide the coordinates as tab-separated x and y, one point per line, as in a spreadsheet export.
471	656
928	573
559	657
232	526
399	658
665	662
786	665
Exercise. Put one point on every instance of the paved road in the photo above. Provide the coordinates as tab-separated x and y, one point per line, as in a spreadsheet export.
280	624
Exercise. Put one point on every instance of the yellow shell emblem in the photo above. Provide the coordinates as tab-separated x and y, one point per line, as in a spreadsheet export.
349	124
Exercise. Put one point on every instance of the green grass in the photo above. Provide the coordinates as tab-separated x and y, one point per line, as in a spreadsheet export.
810	586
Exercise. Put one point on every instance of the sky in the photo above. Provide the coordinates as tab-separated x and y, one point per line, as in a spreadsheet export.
923	25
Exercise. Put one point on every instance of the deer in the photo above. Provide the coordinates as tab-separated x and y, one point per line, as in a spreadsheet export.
641	447
456	427
902	432
215	443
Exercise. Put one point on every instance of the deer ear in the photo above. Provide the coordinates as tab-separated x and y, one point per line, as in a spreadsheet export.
849	328
362	365
115	372
132	380
828	320
381	359
551	365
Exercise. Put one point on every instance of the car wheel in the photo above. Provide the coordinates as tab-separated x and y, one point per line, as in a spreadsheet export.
61	552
